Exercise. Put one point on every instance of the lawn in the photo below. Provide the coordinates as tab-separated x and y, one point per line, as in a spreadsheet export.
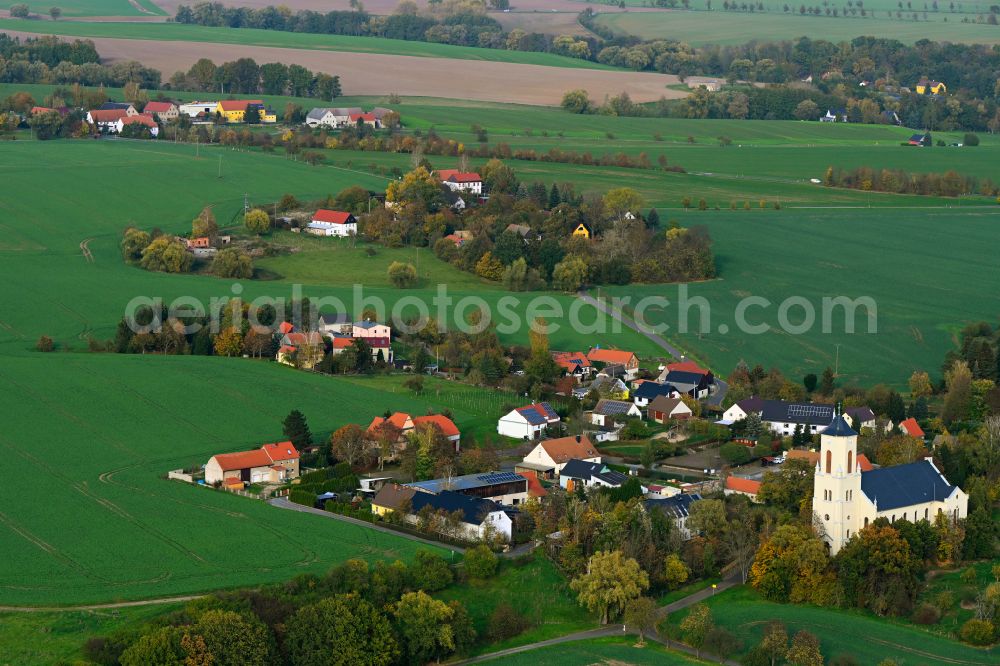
613	650
719	27
292	40
865	637
539	592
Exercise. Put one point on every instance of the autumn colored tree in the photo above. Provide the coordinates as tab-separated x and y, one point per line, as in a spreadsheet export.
610	583
257	221
229	342
877	571
166	255
205	224
920	384
342	630
696	626
350	444
791	565
804	650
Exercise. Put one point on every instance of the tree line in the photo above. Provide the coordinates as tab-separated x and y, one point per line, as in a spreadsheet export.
245	76
51	60
897	181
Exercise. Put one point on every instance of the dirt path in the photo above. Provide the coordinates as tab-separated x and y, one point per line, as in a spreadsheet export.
120	604
87	255
381	74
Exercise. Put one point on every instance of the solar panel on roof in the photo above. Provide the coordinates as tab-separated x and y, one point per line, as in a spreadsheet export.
531	416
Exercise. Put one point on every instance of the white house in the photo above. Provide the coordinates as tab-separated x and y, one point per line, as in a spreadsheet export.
321	117
460	181
662	409
527	422
271	463
140	119
332	223
846	498
478	518
370	329
196	108
783	417
552	455
589	474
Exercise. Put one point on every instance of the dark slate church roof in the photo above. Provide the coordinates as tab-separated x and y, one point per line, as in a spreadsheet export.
905	485
839	428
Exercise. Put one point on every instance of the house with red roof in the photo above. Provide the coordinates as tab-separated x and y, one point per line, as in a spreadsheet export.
626	359
574	364
460	181
550	456
165	111
911	427
141	119
301	350
369	119
528	422
406	424
332	223
736	485
106	120
271	463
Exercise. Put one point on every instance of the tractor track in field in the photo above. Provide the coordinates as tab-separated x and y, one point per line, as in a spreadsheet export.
88	256
95	607
48	548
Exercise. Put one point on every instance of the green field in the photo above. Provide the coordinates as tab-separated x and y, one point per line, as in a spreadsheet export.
71	8
294	40
615	650
57	637
719	27
866	638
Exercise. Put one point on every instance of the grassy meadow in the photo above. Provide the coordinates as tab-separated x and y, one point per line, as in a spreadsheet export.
614	650
293	40
72	8
867	638
721	27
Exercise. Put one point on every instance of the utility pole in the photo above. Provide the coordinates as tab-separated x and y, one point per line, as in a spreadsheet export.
220	165
246	203
836	365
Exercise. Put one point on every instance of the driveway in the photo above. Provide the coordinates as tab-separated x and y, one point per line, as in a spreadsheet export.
721	387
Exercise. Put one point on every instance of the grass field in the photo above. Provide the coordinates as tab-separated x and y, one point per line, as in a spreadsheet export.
612	651
71	8
294	40
866	638
57	637
718	27
536	589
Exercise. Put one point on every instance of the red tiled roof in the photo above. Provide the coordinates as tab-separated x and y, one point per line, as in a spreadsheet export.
281	451
107	115
447	426
311	337
398	419
239	104
333	216
286	327
864	464
456	176
564	449
911	428
243	460
342	343
741	485
362	116
610	356
142	119
40	109
687	366
286	349
571	360
157	107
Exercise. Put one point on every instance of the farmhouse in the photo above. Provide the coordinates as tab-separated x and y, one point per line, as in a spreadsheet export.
574	364
677	508
847	498
478	518
321	117
141	119
663	409
365	119
501	487
127	107
928	87
460	181
736	485
335	324
235	110
911	427
549	457
406	424
196	109
271	463
783	417
698	385
303	350
165	111
586	474
370	329
647	391
332	223
626	359
105	120
527	422
606	411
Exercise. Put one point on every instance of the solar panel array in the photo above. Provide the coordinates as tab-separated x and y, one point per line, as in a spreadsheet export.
499	477
613	407
818	411
531	415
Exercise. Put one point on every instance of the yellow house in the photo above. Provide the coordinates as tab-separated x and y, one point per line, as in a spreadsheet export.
235	110
934	87
391	497
582	230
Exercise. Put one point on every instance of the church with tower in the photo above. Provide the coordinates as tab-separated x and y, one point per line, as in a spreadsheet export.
846	499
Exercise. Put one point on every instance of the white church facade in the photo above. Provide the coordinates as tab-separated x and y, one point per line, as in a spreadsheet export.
845	499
